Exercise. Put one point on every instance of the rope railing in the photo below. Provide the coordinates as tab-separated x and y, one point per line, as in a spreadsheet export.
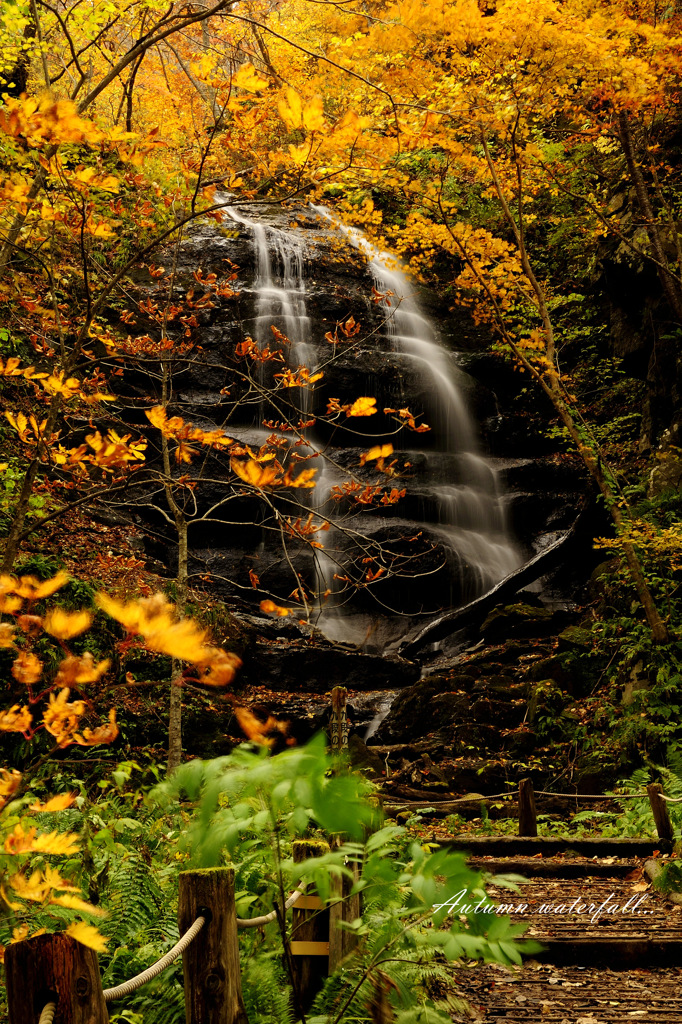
480	798
47	1016
527	814
118	991
126	987
257	922
593	796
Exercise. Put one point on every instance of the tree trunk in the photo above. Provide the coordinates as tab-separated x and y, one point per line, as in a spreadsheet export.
670	285
175	716
659	630
552	385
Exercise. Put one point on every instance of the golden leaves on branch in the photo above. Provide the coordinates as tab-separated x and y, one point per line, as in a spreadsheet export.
249	349
296	112
303	529
218	668
358	494
11	368
10	780
365	406
270	608
65	625
87	935
77	670
157	623
155	620
175	428
377	454
349	329
55	803
264	470
61	717
54	843
300	378
27	668
101	734
248	78
252	472
40	120
112	452
17	719
31	588
263	733
407	419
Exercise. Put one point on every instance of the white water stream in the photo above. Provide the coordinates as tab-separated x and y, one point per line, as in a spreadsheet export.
470	520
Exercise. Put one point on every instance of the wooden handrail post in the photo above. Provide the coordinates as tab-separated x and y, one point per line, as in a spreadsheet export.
213	984
528	824
309	933
54	968
338	725
659	809
345	908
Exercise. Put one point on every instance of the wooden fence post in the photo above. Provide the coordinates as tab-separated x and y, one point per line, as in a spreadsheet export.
659	809
309	933
528	825
338	725
213	984
346	908
54	968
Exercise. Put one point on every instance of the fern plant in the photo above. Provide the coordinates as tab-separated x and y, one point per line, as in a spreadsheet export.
634	817
250	806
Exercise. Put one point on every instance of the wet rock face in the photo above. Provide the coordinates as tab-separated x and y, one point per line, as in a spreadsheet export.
448	538
291	666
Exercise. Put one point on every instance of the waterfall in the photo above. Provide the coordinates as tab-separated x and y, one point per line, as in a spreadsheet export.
470	511
460	500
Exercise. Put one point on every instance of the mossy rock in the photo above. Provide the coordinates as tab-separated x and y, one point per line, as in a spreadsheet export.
515	619
602	579
548	668
575	636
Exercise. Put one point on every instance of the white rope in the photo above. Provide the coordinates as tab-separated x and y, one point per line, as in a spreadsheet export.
592	796
257	922
47	1016
141	979
671	799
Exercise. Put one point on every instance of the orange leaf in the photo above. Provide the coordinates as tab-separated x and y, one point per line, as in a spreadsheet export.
270	606
362	407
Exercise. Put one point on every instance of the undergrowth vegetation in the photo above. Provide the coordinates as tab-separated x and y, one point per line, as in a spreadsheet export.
246	810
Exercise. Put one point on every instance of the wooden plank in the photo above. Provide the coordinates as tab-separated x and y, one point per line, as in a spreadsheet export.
309	948
309	903
213	987
615	953
54	968
503	846
550	868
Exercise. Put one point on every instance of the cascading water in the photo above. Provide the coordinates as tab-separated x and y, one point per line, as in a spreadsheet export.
470	512
280	288
460	501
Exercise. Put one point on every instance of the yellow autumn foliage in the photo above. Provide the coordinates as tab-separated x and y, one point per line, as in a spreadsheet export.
66	625
155	620
87	935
